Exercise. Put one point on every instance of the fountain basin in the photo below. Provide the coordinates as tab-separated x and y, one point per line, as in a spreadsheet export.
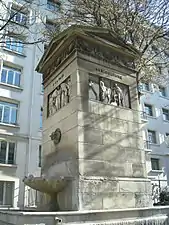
46	185
140	216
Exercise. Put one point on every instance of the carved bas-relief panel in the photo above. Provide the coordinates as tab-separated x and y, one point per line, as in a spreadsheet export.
59	97
108	91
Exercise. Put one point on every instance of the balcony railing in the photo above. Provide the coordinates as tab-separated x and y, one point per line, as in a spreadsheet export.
8	162
147	145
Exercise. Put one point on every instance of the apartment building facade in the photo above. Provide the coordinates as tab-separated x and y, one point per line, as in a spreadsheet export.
155	118
21	97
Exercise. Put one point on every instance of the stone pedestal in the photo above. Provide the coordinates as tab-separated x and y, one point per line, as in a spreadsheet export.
90	95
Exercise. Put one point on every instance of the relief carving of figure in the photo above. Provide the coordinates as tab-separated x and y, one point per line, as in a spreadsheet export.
119	94
57	99
69	88
105	93
91	86
64	94
114	99
50	105
54	96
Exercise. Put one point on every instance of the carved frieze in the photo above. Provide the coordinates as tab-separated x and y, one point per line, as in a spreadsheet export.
100	52
95	50
59	97
59	59
108	91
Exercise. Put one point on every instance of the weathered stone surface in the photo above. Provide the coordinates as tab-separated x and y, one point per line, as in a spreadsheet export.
104	168
132	186
109	137
125	114
91	168
107	152
138	170
103	109
88	135
133	155
117	169
135	142
82	88
61	114
118	200
67	200
108	123
143	200
91	201
99	185
113	153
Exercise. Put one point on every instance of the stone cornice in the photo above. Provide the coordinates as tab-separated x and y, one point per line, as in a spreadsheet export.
102	52
58	59
86	47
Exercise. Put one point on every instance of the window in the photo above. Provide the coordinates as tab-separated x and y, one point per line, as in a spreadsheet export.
18	17
41	118
53	5
14	45
40	155
148	109
152	136
7	152
6	193
146	86
165	114
11	76
8	112
155	165
166	139
162	91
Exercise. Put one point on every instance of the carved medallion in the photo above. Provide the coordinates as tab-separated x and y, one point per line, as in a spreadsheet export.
56	136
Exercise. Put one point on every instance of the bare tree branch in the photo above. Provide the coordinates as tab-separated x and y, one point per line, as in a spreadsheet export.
142	23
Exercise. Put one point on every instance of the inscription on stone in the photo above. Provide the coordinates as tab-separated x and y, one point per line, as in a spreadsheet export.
59	97
108	91
108	73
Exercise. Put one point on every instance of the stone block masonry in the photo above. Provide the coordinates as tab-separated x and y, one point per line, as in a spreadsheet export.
90	95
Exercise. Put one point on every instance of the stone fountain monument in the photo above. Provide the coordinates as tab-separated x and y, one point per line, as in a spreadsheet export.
93	159
92	144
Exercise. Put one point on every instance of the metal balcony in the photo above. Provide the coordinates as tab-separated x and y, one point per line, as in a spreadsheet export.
7	162
147	146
